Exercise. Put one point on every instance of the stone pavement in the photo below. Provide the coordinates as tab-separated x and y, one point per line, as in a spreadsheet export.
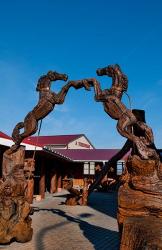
60	227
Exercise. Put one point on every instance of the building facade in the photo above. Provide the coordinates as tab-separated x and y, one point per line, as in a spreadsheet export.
60	158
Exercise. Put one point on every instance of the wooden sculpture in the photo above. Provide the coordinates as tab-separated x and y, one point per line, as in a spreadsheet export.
140	195
16	185
15	222
47	101
113	106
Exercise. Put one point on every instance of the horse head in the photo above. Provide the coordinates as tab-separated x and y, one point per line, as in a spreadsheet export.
110	70
54	76
114	71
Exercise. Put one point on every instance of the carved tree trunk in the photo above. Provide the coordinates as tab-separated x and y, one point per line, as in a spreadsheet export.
141	233
15	222
140	203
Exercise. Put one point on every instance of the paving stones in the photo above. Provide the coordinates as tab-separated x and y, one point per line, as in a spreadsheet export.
58	227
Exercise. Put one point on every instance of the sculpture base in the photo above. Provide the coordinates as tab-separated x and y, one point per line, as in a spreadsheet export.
140	205
142	233
15	222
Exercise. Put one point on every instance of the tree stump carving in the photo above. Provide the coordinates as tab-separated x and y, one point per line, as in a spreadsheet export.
16	186
15	222
140	195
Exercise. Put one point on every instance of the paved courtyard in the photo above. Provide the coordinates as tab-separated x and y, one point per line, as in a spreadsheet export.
59	227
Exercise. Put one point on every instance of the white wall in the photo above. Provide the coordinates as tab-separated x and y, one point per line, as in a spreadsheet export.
80	143
9	143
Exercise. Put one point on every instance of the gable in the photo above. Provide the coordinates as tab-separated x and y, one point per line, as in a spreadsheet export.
80	143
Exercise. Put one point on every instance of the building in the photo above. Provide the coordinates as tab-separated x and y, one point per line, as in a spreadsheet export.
62	157
62	141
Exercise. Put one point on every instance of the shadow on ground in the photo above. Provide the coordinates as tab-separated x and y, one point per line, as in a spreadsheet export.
101	238
105	203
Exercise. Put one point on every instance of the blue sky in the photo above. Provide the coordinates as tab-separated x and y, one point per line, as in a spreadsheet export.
77	37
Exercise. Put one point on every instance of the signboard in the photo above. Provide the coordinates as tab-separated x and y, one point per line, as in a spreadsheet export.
84	145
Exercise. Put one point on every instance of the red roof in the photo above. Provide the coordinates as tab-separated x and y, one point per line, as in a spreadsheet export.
52	140
30	142
3	135
88	154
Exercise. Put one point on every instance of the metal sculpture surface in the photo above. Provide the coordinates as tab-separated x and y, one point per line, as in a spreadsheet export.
47	101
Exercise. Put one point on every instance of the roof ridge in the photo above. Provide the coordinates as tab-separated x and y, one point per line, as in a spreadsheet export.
6	135
89	149
55	135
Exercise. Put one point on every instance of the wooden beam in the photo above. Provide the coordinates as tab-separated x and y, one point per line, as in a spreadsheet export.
85	193
59	182
42	183
29	168
53	183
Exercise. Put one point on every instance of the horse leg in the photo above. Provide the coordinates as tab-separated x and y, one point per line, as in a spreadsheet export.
86	83
59	99
30	126
16	133
97	89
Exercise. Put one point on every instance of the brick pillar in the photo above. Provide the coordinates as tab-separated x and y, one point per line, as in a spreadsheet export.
42	184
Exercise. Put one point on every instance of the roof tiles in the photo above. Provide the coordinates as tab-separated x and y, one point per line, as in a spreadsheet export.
52	140
88	154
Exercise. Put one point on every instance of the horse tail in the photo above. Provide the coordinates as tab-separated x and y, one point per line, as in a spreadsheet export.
16	133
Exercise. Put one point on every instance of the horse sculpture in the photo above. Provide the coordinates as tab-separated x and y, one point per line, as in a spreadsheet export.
113	106
47	101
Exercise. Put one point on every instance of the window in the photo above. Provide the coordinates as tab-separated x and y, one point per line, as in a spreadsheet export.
86	168
92	168
120	167
89	168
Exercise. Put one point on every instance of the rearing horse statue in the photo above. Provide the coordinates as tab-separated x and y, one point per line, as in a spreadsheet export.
47	101
113	106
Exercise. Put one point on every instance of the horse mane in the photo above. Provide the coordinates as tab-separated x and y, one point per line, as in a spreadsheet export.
41	80
123	78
